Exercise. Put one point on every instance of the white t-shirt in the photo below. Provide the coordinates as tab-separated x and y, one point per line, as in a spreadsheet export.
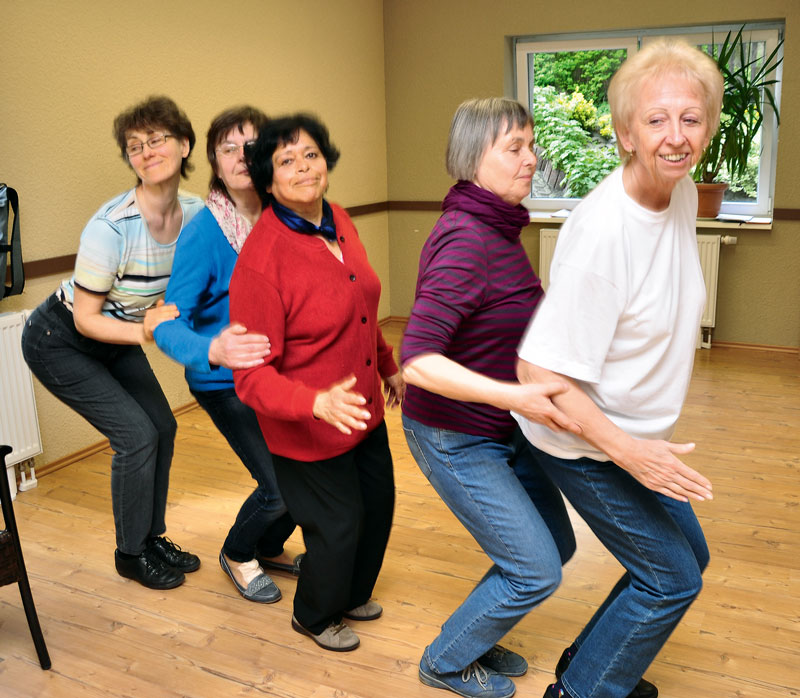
622	313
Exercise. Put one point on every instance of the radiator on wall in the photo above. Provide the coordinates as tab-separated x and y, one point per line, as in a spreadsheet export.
19	425
708	247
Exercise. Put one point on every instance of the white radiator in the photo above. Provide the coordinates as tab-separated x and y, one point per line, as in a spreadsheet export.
707	245
547	246
19	425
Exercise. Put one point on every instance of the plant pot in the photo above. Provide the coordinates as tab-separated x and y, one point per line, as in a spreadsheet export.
709	198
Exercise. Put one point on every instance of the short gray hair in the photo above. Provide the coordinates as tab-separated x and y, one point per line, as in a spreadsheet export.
476	125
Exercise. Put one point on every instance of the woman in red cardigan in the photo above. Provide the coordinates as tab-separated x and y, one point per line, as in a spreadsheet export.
303	279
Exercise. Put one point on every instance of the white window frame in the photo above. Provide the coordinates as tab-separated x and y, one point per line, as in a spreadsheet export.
632	41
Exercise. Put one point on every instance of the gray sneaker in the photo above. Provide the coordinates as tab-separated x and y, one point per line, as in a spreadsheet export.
366	611
337	637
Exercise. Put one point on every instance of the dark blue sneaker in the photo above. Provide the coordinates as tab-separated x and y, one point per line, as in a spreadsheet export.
475	681
504	661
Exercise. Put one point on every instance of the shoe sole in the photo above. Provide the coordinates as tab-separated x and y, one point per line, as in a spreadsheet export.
293	569
433	682
243	591
193	568
300	629
510	674
166	585
374	616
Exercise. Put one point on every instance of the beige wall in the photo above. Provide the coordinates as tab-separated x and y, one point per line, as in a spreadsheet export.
385	76
75	65
440	53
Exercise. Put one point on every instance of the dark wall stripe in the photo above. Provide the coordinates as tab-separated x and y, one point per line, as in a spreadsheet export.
52	265
66	263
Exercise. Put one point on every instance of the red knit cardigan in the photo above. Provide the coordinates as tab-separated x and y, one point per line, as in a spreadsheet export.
321	319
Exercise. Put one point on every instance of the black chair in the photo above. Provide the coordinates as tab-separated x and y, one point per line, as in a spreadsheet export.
12	566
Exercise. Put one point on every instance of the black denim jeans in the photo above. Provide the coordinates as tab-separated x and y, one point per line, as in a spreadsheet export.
262	524
113	387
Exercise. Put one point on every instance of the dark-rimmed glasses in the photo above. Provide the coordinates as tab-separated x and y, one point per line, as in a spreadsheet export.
155	141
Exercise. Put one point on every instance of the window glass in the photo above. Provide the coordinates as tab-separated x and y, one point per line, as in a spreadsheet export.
563	80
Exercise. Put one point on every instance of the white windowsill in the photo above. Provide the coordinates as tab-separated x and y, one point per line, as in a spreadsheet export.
701	223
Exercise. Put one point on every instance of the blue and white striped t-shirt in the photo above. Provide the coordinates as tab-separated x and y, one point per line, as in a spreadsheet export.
118	257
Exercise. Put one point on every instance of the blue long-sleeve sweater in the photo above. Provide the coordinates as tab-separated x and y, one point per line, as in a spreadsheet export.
201	274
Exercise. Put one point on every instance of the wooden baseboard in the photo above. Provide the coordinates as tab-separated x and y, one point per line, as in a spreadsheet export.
391	319
188	407
51	467
756	347
403	320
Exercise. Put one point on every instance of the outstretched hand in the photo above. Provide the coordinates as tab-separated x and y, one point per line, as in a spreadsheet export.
394	390
656	465
342	407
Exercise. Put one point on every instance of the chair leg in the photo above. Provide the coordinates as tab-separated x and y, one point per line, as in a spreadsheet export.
33	621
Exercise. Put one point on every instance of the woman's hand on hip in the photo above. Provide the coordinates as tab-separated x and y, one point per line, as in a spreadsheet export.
342	407
533	401
656	465
235	348
153	317
394	390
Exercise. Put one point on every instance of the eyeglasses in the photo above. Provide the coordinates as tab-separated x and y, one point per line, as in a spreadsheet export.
229	149
155	141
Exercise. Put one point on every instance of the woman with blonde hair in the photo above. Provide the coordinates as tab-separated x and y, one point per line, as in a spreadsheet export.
619	326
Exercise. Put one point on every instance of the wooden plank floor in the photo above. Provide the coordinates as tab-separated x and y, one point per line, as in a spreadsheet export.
111	637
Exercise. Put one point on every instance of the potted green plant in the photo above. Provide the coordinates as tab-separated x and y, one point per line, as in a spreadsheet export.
748	82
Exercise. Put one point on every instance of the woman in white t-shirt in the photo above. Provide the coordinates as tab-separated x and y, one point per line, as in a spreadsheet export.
620	323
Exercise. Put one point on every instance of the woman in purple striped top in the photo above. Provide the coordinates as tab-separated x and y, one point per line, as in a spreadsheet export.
475	293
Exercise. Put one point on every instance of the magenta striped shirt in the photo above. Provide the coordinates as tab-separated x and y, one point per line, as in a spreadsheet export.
476	292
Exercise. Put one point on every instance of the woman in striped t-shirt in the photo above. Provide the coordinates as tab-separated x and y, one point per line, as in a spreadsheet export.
475	294
84	342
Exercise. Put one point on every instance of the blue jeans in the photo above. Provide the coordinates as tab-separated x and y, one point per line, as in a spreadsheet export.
262	524
515	514
113	387
659	542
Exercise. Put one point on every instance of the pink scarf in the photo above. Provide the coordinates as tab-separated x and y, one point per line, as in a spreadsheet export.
234	225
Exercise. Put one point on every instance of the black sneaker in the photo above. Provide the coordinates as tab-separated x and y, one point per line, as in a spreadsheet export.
643	689
148	570
171	554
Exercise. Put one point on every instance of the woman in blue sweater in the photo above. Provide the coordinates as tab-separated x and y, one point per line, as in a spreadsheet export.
202	339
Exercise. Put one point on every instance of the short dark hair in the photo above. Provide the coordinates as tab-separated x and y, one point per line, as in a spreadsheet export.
221	126
155	113
277	133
